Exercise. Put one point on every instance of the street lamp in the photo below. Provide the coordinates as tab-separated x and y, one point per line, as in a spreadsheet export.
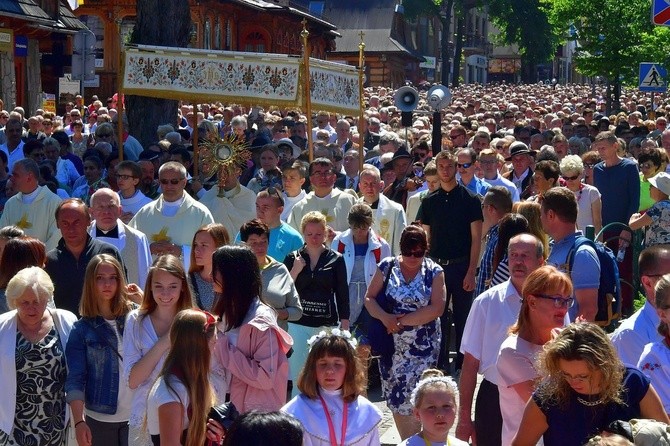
383	60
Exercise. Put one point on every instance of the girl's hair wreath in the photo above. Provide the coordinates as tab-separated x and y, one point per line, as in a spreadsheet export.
447	380
346	334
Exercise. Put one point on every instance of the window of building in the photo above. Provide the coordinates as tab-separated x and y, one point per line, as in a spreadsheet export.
256	41
228	44
207	35
217	34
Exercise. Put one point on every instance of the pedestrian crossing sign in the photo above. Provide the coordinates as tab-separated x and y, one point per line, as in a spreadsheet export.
653	77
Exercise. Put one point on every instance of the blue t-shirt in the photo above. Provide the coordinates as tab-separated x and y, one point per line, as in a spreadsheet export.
283	240
575	423
619	187
585	269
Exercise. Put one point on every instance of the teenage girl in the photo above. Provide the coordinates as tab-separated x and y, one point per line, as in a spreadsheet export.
434	401
330	405
94	351
181	397
146	340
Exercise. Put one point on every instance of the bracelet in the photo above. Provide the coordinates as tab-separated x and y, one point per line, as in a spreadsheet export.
78	423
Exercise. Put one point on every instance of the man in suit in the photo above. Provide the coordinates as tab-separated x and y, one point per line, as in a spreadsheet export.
350	180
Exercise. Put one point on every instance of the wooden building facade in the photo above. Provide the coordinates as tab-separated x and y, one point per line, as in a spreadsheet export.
231	25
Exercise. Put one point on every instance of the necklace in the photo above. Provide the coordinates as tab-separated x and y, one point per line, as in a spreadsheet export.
590	403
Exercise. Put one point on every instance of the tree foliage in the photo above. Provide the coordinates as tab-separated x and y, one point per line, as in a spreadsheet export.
442	9
527	24
613	37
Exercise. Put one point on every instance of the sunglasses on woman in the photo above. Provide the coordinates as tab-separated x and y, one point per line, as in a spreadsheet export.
416	254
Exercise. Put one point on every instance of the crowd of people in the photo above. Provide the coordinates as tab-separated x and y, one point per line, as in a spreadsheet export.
140	299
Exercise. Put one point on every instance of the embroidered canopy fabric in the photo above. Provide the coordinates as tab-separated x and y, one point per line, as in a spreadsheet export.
247	78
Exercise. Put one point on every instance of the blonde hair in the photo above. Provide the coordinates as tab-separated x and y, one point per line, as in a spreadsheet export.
89	303
433	379
580	342
532	211
313	217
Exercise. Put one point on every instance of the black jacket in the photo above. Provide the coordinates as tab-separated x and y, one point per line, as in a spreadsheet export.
324	292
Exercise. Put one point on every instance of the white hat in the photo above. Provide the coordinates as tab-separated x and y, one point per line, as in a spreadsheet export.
661	181
287	142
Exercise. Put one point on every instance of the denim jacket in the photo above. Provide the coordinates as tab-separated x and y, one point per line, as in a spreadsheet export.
93	364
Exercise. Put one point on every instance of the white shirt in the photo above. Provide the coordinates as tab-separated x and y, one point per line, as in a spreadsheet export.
500	181
15	156
134	203
124	398
138	338
654	364
490	317
161	394
635	332
515	365
289	202
363	419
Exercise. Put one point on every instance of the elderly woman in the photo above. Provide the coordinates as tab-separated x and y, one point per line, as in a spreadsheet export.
278	288
547	295
585	388
588	197
416	288
33	370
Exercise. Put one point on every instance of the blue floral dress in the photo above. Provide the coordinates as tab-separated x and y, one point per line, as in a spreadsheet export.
40	393
416	348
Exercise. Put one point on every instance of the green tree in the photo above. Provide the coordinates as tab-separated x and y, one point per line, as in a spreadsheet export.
612	37
527	24
145	114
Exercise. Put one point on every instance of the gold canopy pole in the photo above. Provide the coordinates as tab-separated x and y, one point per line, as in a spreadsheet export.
304	34
119	92
361	115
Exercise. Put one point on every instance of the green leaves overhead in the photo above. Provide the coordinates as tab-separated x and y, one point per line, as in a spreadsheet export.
612	37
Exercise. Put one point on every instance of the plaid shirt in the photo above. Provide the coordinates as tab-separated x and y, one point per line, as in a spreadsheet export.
486	264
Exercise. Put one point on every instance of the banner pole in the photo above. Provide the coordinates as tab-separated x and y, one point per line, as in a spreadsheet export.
304	34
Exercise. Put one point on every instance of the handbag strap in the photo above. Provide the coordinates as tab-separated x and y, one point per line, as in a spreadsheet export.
388	276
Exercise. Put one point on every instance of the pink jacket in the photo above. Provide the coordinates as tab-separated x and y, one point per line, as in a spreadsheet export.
258	363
